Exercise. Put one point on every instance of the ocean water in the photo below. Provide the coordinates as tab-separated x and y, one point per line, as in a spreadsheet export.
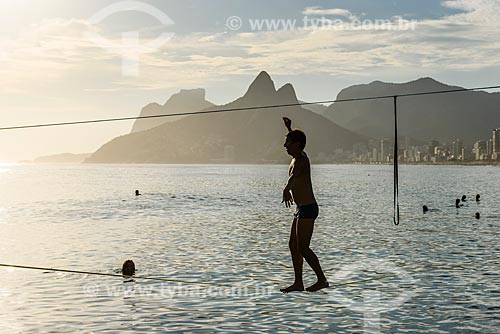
222	230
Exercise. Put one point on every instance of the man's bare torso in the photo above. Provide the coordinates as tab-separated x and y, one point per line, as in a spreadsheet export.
302	190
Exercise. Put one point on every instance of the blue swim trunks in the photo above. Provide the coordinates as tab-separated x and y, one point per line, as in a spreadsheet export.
309	211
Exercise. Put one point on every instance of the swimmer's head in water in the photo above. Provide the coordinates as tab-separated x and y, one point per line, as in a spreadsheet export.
478	215
137	193
425	208
128	268
478	197
464	198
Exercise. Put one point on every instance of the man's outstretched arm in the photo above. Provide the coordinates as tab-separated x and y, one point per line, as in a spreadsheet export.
288	123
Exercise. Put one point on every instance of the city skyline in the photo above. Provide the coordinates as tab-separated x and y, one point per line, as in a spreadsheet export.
382	151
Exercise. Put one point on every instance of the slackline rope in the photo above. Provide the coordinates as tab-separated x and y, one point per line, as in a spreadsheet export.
423	269
245	108
110	275
395	159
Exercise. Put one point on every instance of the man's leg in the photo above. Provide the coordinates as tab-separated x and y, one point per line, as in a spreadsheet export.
297	260
305	228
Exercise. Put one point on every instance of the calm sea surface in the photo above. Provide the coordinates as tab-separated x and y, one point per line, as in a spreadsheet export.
226	226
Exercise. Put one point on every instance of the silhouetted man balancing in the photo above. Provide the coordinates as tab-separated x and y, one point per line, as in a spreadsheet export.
299	190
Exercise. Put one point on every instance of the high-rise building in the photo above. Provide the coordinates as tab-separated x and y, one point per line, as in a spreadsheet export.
375	157
466	154
385	149
489	147
479	149
456	149
432	147
418	156
496	144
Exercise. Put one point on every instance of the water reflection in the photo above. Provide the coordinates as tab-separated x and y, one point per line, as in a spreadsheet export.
192	224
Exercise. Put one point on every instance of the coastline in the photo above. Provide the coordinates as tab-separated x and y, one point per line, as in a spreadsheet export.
426	163
429	163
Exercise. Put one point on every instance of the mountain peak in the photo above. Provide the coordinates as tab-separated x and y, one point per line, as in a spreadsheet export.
427	79
426	84
261	87
263	76
286	94
187	95
186	100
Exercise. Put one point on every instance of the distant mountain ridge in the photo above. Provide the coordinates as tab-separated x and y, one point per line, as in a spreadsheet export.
256	135
190	100
469	116
187	100
62	158
248	136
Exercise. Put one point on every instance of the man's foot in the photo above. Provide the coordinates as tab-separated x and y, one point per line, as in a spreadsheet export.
293	287
318	286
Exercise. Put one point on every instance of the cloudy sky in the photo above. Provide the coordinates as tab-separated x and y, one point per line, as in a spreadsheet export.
73	60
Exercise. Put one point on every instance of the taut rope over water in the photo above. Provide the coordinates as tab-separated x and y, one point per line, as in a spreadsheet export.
395	158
